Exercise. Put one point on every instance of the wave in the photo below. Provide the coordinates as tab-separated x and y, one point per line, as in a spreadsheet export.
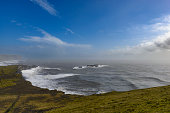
45	81
101	92
89	66
52	77
31	72
52	68
64	89
79	67
153	79
147	82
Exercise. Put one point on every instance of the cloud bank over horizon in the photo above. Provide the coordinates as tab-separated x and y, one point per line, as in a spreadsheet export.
157	46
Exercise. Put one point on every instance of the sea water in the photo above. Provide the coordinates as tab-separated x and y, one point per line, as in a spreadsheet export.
86	80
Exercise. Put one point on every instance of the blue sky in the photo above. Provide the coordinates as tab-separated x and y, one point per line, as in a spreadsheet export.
83	28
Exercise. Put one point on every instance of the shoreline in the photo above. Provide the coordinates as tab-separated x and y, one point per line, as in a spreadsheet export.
18	95
21	81
32	67
21	67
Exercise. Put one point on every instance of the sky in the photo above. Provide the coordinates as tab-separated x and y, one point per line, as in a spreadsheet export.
85	29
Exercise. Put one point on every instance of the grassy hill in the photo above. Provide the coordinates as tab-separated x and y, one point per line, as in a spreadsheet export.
19	96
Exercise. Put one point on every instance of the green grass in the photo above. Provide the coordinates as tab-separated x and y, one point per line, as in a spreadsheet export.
7	82
8	70
152	100
19	96
6	101
8	76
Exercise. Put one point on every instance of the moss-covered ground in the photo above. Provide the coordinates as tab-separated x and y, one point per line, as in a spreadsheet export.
19	96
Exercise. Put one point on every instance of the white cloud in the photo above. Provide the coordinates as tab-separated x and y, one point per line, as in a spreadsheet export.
52	40
162	24
46	6
160	43
69	30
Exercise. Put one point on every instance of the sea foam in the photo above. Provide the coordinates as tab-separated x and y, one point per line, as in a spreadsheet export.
89	66
44	81
52	68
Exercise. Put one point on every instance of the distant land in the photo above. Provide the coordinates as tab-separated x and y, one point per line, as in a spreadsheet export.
4	57
19	96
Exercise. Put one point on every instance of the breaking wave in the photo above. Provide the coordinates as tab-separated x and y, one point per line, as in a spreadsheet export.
45	81
97	79
52	68
89	66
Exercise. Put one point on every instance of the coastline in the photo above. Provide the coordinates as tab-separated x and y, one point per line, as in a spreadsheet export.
21	85
16	86
18	95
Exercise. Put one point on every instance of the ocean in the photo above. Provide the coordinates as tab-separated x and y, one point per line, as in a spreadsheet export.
85	79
